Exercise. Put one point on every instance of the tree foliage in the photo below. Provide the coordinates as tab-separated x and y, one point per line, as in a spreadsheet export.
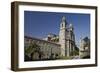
33	47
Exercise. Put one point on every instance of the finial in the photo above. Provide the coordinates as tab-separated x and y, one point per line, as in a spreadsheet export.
63	18
71	25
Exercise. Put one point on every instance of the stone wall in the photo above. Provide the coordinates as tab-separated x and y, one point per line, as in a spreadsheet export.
46	50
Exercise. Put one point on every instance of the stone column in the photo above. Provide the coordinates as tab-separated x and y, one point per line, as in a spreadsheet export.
73	46
68	46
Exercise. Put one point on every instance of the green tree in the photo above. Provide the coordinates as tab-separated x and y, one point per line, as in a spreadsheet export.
33	47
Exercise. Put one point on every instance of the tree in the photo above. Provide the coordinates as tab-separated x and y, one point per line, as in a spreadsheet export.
33	47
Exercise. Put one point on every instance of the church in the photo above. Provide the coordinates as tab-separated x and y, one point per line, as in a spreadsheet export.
66	38
53	46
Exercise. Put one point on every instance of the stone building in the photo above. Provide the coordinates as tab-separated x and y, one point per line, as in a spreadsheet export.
62	44
41	49
52	38
85	48
66	38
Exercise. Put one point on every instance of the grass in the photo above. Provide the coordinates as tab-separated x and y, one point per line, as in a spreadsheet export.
64	57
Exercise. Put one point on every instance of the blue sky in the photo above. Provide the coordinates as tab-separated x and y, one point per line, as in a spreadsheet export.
39	24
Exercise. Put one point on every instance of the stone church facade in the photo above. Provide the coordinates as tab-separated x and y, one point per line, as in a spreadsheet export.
56	46
66	38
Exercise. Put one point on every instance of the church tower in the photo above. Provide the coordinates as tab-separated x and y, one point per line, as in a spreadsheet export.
71	32
71	40
62	35
67	38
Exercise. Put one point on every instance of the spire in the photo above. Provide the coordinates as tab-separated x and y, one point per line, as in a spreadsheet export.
71	27
63	19
63	22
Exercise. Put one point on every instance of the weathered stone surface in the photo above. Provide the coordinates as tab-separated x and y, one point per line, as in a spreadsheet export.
53	46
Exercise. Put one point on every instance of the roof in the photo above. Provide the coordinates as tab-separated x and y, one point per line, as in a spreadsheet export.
86	39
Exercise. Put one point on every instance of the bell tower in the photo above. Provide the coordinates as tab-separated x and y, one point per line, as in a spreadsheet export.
62	35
